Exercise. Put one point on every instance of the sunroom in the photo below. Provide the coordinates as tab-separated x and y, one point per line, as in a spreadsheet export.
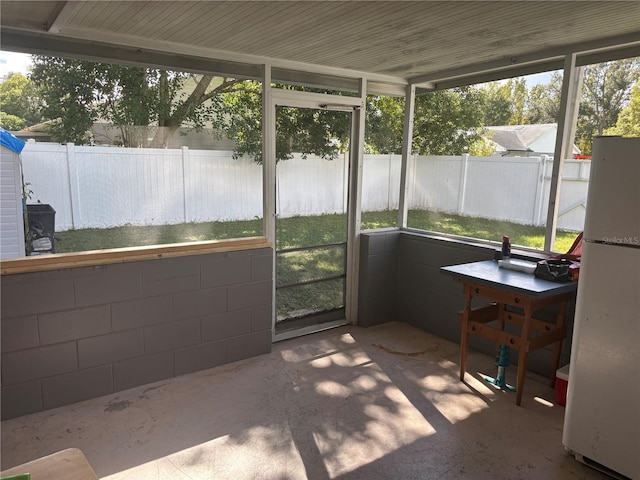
317	280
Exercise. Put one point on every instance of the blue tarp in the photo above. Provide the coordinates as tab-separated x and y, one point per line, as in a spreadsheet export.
10	141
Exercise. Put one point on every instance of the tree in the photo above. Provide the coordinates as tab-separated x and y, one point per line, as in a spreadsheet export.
543	104
134	99
628	123
151	103
497	109
605	92
307	131
19	102
505	102
384	124
519	92
447	122
11	122
67	91
483	146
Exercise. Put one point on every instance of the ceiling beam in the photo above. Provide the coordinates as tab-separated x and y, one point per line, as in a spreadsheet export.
199	60
41	43
61	16
608	55
54	45
493	76
544	60
153	44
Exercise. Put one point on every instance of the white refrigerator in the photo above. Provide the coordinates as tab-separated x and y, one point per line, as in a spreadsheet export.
602	416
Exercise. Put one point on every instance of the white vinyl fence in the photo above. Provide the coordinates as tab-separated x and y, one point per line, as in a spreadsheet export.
101	187
500	188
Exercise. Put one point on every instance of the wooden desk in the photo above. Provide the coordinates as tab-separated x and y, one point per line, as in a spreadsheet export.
514	289
69	464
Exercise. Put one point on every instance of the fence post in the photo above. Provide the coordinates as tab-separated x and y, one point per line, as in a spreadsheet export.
345	180
389	189
412	168
540	189
185	159
74	189
463	183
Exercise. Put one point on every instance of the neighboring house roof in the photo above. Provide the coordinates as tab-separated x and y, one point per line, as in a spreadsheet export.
38	132
105	134
539	138
40	127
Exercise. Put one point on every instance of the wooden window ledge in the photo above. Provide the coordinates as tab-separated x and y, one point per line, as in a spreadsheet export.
91	258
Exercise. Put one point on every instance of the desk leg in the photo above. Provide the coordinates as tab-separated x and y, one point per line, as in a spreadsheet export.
501	316
557	348
464	335
524	351
500	324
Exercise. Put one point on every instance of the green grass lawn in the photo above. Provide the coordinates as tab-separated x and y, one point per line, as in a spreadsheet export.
134	236
486	229
297	232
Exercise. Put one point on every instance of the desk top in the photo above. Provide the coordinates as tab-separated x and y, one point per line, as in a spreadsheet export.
487	272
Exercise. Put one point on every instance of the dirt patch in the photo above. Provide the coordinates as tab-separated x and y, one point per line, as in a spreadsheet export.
117	406
395	352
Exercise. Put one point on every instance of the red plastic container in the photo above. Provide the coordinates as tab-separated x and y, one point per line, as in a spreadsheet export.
562	380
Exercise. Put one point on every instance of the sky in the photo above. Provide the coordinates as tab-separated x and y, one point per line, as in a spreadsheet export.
544	77
13	62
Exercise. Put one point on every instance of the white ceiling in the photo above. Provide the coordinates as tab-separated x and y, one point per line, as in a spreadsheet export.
387	42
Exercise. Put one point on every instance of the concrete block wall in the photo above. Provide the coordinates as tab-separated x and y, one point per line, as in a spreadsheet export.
378	278
400	279
430	300
427	298
79	333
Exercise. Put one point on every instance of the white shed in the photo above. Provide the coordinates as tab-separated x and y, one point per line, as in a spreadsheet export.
11	213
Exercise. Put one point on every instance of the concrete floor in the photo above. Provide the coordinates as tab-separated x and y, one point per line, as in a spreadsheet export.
348	403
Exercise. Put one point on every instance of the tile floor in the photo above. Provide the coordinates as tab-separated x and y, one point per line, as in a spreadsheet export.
349	403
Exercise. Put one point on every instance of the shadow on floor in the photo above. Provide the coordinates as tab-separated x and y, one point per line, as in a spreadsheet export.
350	403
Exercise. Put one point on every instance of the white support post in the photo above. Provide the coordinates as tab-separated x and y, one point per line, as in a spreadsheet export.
569	103
268	158
269	180
345	181
74	189
463	183
355	205
390	199
407	141
185	161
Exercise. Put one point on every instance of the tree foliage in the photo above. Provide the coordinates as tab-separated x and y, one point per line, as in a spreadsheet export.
506	102
309	132
605	92
543	104
384	124
11	122
142	102
497	109
149	105
628	123
447	122
19	102
67	92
